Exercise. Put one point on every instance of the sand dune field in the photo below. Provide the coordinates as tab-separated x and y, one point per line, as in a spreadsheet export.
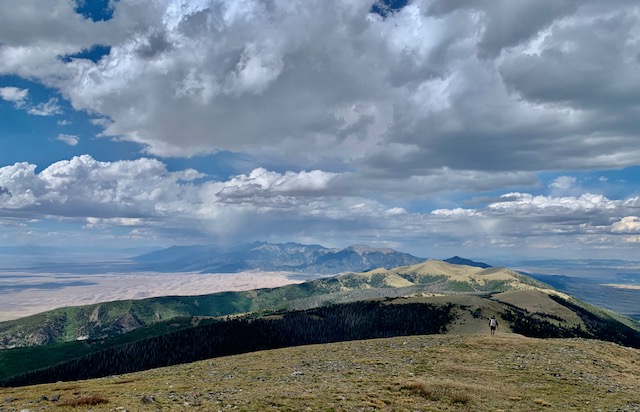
25	293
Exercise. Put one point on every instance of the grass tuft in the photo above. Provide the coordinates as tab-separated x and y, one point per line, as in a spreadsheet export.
460	398
541	402
438	392
420	388
85	401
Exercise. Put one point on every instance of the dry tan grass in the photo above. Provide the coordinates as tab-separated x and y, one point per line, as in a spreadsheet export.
90	400
418	373
538	301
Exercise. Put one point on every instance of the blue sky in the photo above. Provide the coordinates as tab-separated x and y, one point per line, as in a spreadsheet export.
438	128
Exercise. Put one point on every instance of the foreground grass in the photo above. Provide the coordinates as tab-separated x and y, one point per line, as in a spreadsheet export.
418	373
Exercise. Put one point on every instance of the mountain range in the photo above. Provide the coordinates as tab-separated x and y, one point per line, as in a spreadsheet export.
290	257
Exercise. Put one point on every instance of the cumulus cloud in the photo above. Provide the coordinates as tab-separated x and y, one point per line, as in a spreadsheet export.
487	86
527	221
528	202
266	184
14	94
144	196
84	187
144	193
70	139
628	224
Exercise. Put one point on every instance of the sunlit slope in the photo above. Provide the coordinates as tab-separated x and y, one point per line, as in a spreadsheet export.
108	319
445	277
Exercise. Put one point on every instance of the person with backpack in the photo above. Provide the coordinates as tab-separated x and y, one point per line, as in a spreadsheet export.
493	325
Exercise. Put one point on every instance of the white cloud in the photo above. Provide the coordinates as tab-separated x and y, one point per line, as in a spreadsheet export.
84	187
117	221
457	212
563	183
525	202
19	98
48	108
143	194
395	211
628	224
19	187
70	139
15	95
557	226
261	183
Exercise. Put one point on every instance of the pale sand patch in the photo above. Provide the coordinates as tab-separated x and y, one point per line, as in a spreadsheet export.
61	291
622	286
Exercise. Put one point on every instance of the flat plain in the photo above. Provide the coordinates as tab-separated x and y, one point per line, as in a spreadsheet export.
26	293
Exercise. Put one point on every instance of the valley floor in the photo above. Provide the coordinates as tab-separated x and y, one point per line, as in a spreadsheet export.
25	294
507	372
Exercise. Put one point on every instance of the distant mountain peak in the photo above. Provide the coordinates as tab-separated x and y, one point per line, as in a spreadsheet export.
360	249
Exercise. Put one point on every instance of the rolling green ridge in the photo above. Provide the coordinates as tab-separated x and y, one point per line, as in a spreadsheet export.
114	318
360	320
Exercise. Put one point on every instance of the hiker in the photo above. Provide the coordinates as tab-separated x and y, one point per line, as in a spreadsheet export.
493	324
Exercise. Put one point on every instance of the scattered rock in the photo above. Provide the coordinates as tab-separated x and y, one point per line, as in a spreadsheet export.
147	399
52	398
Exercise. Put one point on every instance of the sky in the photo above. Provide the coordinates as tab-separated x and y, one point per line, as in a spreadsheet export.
480	128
